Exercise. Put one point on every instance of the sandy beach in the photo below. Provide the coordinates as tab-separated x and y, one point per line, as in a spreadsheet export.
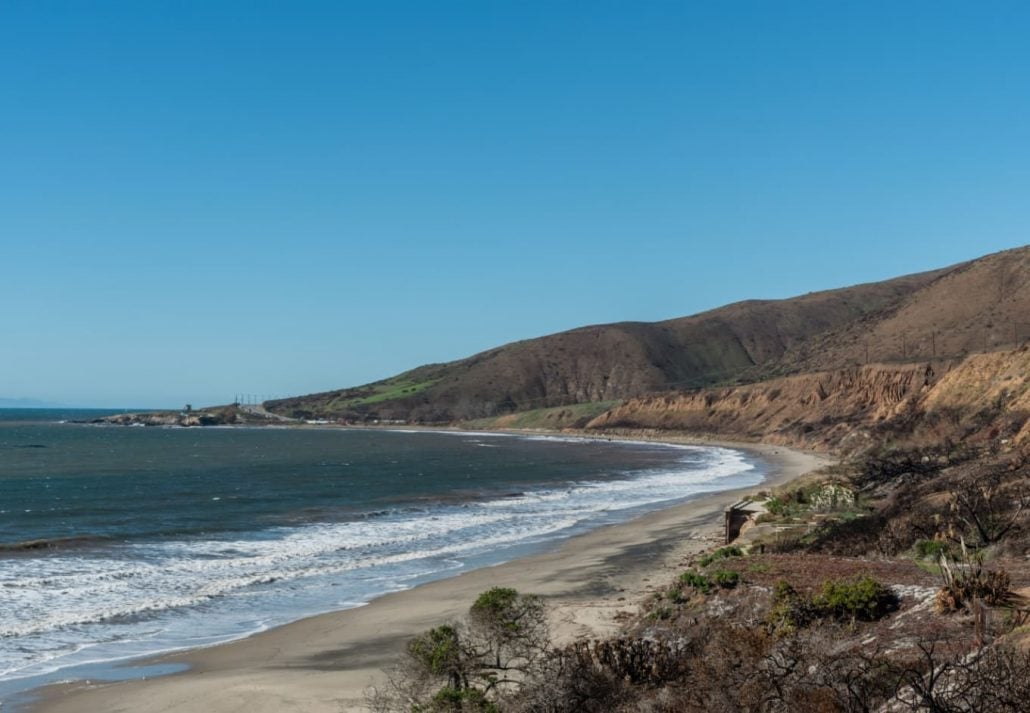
325	663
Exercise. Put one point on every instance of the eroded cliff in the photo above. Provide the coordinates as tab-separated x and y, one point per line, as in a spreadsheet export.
981	396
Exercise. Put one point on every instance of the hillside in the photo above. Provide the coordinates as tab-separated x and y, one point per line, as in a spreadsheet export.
977	306
606	362
952	311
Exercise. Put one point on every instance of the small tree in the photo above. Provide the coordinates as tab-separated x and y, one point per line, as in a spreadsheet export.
509	633
438	652
470	665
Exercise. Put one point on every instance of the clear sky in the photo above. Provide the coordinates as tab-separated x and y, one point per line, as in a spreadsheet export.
199	199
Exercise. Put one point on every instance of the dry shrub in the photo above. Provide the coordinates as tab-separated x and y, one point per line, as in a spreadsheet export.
966	581
996	679
785	541
603	675
993	587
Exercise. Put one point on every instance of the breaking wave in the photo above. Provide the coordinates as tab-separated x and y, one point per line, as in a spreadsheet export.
87	599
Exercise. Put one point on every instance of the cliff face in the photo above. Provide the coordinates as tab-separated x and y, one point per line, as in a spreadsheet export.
981	396
994	387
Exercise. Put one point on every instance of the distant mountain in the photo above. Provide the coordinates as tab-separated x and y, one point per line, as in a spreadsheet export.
973	306
26	403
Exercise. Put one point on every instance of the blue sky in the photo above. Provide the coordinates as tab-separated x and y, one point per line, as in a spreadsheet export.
199	199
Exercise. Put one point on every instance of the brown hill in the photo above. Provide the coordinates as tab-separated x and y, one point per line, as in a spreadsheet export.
976	306
741	342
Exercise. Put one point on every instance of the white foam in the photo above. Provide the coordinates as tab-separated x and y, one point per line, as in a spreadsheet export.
134	599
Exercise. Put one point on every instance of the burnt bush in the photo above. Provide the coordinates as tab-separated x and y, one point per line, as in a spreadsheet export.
967	580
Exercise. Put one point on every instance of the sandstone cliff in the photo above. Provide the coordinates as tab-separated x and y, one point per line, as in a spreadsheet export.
979	397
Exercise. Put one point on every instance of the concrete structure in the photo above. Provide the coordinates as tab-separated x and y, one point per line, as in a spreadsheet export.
739	514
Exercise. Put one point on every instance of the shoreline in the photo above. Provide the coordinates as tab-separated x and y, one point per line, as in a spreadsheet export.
325	662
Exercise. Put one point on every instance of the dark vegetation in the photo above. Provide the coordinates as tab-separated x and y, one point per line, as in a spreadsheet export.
474	665
902	588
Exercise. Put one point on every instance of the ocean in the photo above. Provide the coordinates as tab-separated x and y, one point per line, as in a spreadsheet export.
121	542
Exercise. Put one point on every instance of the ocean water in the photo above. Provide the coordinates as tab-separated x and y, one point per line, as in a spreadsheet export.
117	542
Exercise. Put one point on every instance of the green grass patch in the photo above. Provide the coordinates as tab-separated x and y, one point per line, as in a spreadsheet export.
388	390
931	549
697	581
721	554
546	418
927	566
660	614
726	578
675	595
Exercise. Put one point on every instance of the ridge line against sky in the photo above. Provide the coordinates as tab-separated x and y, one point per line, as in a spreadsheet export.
199	199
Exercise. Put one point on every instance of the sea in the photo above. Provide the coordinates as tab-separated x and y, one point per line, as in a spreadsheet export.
118	543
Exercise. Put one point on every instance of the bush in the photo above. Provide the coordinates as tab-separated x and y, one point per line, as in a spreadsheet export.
696	580
660	613
726	578
862	599
930	549
721	554
675	595
786	541
494	602
457	699
790	611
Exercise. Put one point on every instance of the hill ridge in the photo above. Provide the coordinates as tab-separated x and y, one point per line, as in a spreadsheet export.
899	319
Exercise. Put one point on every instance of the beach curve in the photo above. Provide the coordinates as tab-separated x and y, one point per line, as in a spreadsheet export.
326	662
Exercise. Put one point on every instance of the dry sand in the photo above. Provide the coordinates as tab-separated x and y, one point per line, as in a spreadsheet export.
325	663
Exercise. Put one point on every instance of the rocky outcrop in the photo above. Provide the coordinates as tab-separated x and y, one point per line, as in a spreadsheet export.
213	416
